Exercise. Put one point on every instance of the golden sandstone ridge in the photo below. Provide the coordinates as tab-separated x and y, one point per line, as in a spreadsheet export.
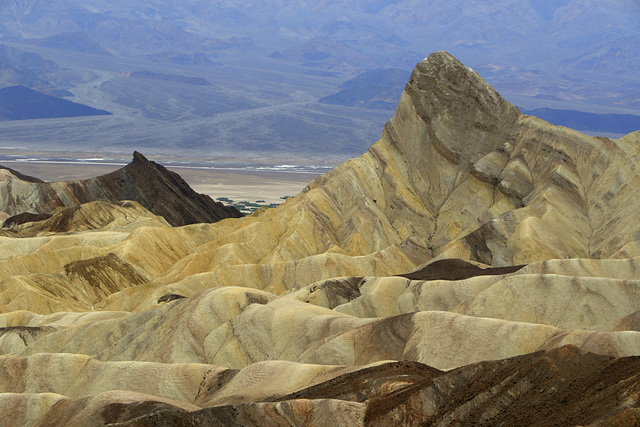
474	266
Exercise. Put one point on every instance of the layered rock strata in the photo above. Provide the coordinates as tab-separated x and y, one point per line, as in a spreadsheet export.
474	266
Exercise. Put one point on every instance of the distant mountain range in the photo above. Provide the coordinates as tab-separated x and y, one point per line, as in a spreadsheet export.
348	35
384	30
269	62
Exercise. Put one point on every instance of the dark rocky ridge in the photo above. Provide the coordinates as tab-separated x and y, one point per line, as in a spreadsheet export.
368	383
560	387
159	190
456	269
23	218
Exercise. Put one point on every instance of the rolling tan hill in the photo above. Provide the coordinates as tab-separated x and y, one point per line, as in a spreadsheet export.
470	245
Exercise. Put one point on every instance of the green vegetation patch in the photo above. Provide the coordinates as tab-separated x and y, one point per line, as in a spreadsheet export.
247	207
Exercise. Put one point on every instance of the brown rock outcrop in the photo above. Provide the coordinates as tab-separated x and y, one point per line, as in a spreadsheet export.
159	190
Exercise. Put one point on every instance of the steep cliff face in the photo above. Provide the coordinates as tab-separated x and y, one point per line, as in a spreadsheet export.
161	191
499	250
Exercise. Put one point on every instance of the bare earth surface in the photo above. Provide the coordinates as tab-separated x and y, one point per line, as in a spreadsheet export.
476	266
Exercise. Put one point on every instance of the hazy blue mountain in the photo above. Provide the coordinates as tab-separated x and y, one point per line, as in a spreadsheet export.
379	89
74	41
620	57
24	68
26	60
327	54
547	8
12	74
362	35
21	103
408	25
607	123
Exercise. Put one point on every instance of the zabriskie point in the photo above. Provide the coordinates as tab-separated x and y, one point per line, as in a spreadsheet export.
476	266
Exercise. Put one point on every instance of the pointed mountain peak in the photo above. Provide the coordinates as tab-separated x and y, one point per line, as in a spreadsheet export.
163	192
138	157
442	56
437	62
464	115
443	81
